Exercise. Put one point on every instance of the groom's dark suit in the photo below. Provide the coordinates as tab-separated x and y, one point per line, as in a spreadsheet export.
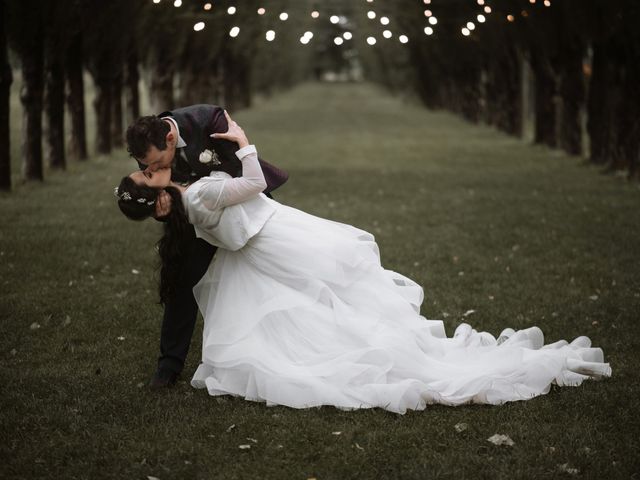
195	124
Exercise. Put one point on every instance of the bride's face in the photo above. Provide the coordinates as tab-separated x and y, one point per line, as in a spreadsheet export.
158	179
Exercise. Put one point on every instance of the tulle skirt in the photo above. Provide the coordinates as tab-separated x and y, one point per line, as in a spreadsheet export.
305	315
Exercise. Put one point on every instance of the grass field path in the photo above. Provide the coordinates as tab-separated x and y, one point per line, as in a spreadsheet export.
519	234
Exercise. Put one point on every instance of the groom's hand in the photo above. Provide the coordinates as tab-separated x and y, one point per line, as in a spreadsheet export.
163	205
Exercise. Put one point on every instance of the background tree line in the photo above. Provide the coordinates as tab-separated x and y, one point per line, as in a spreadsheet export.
567	72
571	66
123	44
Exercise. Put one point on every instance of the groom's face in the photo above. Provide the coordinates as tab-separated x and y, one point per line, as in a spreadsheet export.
157	159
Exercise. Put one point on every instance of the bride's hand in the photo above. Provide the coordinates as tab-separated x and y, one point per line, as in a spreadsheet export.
234	133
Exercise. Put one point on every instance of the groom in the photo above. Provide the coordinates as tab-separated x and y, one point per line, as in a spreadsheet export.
182	140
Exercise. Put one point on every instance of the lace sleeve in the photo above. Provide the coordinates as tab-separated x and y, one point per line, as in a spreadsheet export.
250	184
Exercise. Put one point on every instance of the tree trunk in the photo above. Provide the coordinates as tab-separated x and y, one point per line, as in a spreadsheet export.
117	136
6	78
131	84
596	105
161	89
572	92
31	98
54	110
75	99
103	79
545	107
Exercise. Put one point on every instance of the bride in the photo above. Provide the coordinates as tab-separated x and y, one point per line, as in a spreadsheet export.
299	312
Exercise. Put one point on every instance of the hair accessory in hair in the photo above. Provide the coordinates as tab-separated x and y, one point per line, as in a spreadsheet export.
126	196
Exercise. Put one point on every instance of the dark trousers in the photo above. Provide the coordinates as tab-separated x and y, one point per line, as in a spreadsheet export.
181	311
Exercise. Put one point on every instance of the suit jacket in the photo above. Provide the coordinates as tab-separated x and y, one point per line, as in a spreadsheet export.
196	123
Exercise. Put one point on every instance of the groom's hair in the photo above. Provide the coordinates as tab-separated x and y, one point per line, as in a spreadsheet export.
145	132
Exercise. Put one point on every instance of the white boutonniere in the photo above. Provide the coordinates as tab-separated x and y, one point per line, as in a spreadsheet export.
209	156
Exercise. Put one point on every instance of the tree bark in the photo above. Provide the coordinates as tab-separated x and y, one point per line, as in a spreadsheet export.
6	79
54	112
117	136
131	86
103	78
75	99
31	97
545	98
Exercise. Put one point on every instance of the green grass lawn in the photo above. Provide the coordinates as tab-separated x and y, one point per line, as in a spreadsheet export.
522	235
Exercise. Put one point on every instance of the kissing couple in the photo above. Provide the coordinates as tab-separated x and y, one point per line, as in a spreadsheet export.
298	310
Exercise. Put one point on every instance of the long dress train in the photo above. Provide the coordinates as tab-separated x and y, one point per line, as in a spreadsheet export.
300	312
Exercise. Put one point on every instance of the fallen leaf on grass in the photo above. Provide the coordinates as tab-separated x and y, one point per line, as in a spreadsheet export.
336	433
593	297
149	477
468	312
568	469
231	427
252	440
244	447
460	427
134	271
13	351
358	446
67	321
34	326
500	439
121	338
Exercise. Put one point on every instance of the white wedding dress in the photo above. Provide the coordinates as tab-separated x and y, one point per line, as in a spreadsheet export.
299	312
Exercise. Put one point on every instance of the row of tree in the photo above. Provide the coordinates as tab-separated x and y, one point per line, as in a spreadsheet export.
120	43
582	56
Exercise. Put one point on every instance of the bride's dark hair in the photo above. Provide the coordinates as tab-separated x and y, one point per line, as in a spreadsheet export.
138	202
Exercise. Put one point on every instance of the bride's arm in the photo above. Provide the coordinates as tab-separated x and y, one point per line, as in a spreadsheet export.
250	184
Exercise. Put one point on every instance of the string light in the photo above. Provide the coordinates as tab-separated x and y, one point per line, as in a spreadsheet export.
315	14
371	14
334	19
156	1
481	18
338	41
371	40
428	31
427	13
487	9
403	39
177	3
284	16
270	36
207	6
466	32
510	18
471	26
347	35
547	3
234	32
433	20
261	11
384	20
198	26
387	34
231	10
427	2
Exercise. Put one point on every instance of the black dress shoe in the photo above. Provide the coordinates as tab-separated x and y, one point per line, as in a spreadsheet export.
163	379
